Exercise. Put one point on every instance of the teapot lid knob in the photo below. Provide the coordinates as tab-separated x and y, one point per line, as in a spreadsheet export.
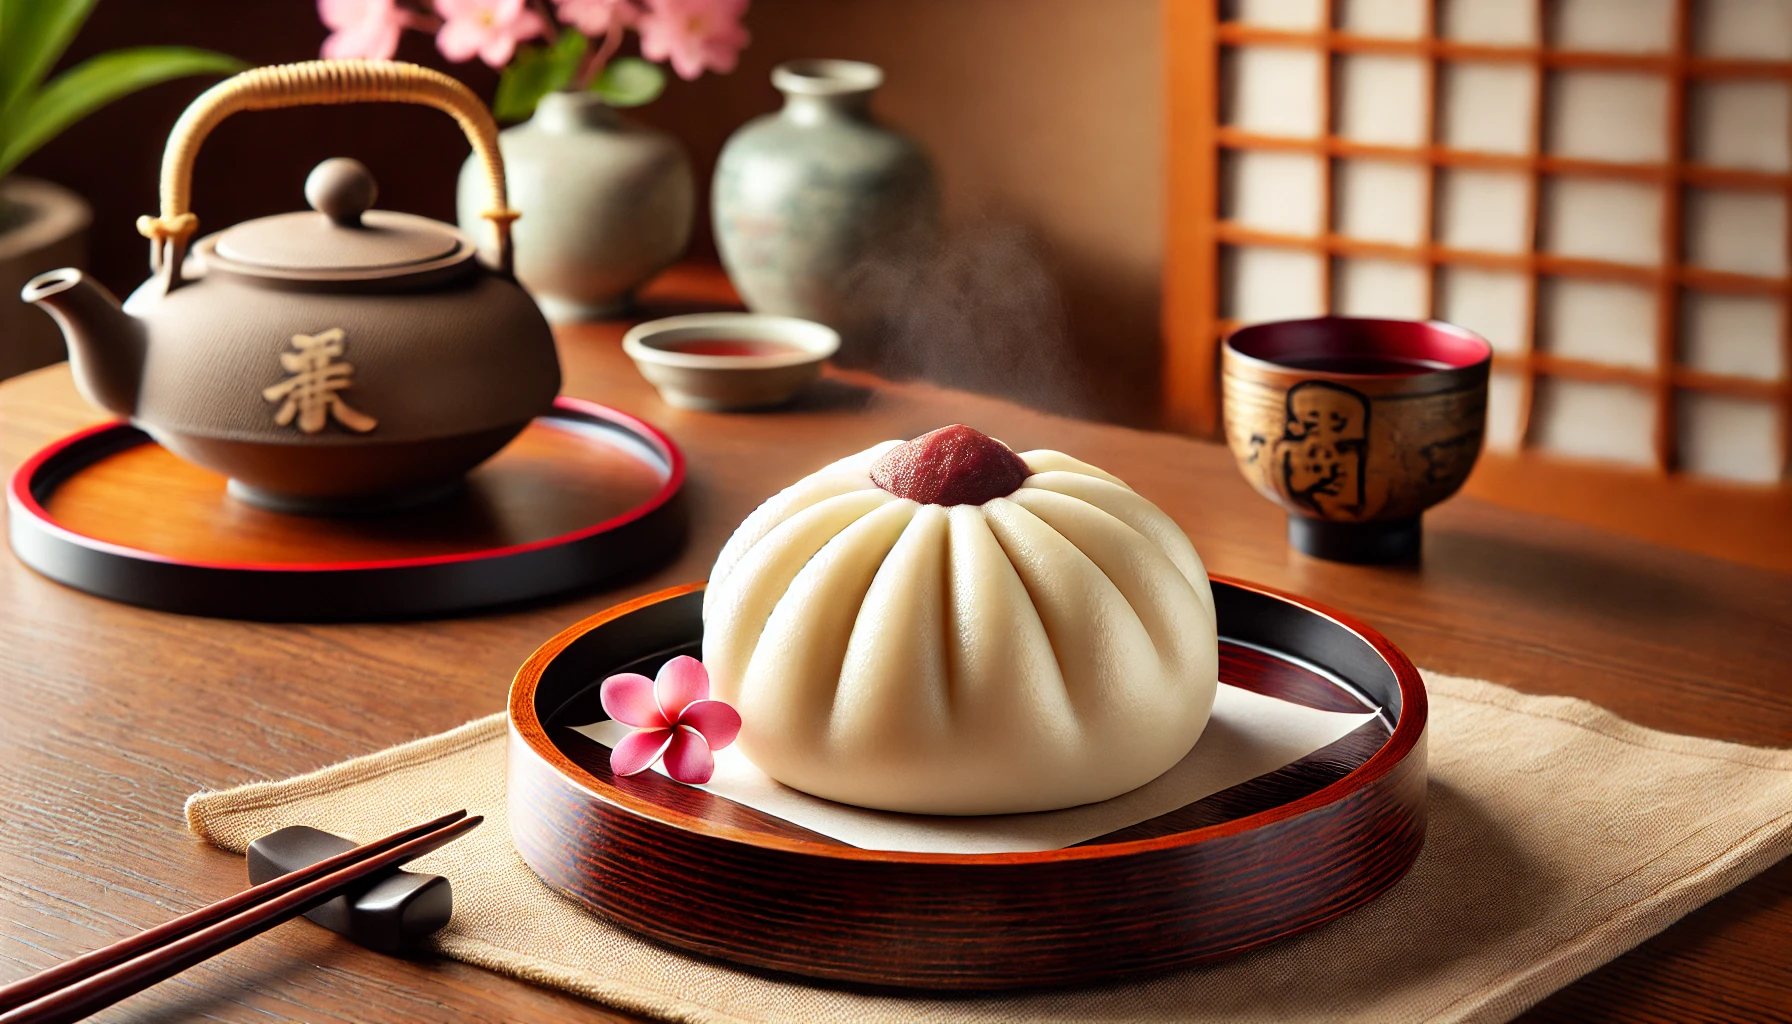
341	188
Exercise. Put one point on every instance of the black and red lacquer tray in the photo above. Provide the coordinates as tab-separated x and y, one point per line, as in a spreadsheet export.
1261	861
585	495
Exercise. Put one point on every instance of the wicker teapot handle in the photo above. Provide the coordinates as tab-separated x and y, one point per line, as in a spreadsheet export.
304	84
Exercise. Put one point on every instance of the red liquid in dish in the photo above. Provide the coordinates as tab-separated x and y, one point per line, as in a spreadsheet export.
1395	366
728	347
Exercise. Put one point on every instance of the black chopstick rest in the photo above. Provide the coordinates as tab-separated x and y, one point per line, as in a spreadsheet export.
391	915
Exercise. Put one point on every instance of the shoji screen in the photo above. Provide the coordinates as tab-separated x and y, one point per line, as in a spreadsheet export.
1599	187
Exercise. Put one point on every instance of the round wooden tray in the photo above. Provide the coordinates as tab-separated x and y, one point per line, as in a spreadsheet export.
1246	866
584	495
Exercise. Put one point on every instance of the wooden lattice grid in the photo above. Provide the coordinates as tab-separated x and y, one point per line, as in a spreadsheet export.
1199	236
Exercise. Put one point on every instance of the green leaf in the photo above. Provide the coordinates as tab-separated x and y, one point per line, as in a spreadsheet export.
630	82
33	34
92	84
535	72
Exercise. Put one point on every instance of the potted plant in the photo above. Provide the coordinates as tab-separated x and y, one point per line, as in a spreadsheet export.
43	226
606	203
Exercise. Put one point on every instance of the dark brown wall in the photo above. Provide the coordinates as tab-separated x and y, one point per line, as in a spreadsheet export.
1042	115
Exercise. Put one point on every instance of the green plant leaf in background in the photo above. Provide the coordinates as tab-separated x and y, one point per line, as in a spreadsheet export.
33	34
92	84
535	72
630	82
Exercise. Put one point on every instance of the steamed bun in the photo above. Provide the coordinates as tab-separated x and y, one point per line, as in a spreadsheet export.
946	627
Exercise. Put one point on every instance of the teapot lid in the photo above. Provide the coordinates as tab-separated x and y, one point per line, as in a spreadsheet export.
340	238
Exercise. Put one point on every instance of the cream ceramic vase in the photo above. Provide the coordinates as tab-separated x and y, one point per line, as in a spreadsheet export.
606	204
821	212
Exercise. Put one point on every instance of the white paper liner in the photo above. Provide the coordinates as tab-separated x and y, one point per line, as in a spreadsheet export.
1249	735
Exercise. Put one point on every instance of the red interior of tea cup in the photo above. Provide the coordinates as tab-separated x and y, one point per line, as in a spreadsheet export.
1381	348
728	347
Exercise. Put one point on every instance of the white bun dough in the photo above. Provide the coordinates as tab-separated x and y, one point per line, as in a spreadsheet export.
1050	648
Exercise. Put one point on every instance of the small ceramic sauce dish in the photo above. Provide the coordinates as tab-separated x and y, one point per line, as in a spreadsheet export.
728	362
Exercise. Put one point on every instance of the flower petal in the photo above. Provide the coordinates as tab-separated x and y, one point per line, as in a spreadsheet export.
638	750
693	34
459	40
595	17
498	49
716	720
688	758
680	681
628	698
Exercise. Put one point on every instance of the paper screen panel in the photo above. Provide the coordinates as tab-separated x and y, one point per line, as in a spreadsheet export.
1384	19
1395	289
1741	124
1509	22
1381	99
1496	304
1486	107
1741	232
1608	322
1273	91
1267	283
1729	438
1616	116
1607	221
1613	26
1484	210
1595	420
1733	335
1271	191
1505	411
1380	201
1294	14
1745	29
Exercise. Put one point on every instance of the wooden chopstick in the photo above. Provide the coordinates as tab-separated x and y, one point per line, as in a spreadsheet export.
168	949
88	964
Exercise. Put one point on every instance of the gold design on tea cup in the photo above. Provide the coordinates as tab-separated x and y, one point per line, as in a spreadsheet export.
1355	426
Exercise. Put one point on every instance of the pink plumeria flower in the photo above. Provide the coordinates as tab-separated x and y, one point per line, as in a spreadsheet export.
673	718
596	17
488	29
362	28
694	35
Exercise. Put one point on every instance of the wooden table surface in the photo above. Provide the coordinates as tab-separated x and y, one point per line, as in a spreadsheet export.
113	715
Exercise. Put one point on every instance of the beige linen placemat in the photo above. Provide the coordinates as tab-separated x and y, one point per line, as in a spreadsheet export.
1560	836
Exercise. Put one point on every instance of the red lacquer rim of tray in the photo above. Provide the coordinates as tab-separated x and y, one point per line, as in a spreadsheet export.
1405	737
19	492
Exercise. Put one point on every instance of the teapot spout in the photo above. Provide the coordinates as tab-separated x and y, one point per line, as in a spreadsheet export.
105	344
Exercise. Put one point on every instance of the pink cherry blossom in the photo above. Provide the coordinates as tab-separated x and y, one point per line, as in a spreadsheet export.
673	718
488	29
694	35
362	28
596	17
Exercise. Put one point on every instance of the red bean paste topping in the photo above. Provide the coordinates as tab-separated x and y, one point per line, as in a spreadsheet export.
951	466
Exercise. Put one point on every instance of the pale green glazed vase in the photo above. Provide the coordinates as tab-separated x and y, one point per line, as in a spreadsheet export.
606	204
822	213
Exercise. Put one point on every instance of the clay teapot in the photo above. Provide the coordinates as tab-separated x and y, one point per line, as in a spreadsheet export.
341	359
